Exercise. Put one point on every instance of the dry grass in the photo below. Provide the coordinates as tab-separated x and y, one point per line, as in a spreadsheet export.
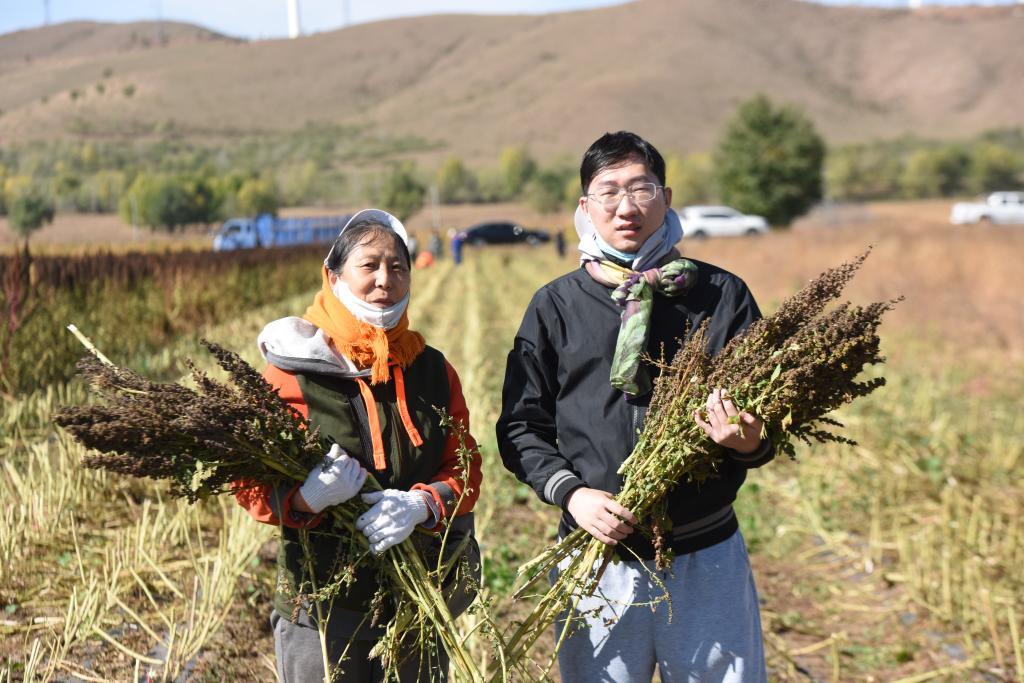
957	279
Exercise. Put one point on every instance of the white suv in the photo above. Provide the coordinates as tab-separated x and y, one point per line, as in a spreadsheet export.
719	221
999	207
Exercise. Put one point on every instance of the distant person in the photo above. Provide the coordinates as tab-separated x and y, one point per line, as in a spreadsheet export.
577	389
435	246
424	260
560	243
457	241
414	247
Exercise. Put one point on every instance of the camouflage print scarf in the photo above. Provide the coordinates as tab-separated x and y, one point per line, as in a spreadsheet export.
634	293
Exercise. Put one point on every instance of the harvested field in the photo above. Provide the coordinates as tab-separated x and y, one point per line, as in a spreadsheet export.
899	559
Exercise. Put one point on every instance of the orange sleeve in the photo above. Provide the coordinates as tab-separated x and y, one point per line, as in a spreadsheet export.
255	497
451	473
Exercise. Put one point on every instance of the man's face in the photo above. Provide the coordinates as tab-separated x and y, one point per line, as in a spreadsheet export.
628	224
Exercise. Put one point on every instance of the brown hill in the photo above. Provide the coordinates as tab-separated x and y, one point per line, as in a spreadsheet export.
671	69
89	38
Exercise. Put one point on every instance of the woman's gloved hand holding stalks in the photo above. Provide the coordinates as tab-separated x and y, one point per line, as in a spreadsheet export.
338	479
393	516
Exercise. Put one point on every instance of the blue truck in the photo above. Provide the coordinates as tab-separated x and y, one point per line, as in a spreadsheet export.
267	230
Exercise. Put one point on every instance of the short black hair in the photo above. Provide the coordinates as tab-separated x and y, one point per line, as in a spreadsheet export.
359	234
615	149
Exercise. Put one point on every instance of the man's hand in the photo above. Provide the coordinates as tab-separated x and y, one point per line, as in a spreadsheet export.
597	513
727	426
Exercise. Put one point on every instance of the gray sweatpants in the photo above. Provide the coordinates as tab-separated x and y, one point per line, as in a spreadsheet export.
714	635
297	645
299	658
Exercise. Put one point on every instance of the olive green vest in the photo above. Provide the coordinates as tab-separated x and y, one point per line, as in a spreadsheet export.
338	410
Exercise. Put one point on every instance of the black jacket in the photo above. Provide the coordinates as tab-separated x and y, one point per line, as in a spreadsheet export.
563	425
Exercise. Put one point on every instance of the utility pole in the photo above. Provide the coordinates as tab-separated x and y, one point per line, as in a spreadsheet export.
135	217
159	23
435	207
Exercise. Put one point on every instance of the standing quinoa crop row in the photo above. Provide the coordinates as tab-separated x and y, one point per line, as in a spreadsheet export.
136	302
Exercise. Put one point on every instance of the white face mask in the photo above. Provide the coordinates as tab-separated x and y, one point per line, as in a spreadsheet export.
385	318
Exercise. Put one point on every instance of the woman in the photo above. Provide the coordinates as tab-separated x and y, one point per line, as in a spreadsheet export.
353	367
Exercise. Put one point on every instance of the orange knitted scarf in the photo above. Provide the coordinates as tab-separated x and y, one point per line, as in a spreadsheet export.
365	345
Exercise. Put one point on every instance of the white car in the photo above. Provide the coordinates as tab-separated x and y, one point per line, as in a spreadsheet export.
719	221
998	207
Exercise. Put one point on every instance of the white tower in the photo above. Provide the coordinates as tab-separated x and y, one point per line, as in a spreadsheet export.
294	29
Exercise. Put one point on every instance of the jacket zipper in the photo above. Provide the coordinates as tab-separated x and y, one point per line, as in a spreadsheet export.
634	433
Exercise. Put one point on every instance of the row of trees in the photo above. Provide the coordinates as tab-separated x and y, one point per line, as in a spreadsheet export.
517	176
305	167
105	191
907	168
172	201
920	170
769	160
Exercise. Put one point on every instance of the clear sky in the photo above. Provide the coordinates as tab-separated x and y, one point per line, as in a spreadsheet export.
269	19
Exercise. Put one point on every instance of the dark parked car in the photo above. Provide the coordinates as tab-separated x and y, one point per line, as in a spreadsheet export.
503	232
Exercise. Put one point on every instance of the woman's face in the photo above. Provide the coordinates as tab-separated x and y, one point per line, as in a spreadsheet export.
376	272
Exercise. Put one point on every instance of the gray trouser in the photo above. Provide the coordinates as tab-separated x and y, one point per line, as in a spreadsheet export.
300	660
714	633
297	645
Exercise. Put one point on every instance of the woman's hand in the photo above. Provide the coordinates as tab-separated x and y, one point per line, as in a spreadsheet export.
393	517
335	481
597	513
727	426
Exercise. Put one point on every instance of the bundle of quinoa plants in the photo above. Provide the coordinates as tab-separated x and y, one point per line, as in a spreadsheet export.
792	369
205	438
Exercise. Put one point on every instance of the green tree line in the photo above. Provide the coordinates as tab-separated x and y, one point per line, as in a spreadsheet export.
769	160
188	180
905	168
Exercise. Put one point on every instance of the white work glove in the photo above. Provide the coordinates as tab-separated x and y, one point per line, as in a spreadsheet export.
332	483
392	518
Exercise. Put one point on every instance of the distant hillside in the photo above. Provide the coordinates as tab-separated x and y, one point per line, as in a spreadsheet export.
90	39
670	69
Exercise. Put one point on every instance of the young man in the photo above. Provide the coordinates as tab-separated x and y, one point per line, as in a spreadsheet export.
575	396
